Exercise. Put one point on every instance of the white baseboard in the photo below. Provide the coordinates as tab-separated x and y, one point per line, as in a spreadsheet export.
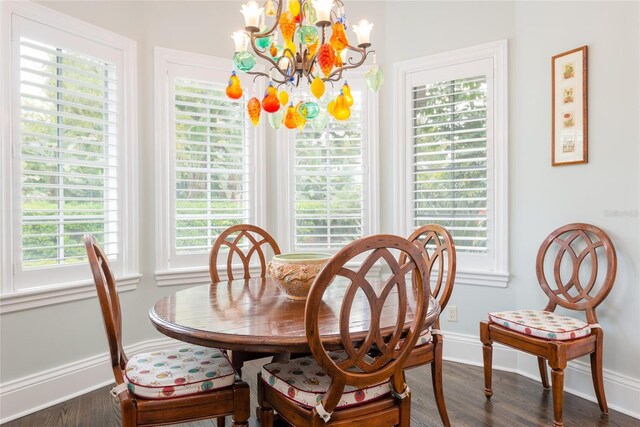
34	392
623	392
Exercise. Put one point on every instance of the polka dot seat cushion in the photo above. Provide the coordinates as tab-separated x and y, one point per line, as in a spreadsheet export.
304	382
180	372
542	324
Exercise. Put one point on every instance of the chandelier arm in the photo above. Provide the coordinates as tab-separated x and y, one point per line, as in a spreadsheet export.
293	60
266	57
275	24
337	73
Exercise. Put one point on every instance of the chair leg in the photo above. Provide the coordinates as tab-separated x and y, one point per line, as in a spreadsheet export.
542	366
264	411
596	372
220	421
436	379
240	404
557	381
487	357
405	411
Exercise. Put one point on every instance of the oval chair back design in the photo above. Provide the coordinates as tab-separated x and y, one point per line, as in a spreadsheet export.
439	252
233	237
391	354
109	301
578	248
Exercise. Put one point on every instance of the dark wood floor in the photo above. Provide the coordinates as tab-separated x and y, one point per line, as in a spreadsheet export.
517	401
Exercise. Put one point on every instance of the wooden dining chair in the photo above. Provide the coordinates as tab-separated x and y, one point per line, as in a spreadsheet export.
436	245
166	386
576	268
243	241
364	384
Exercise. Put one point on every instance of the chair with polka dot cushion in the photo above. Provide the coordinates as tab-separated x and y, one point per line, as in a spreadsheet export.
240	244
166	386
576	268
363	384
439	252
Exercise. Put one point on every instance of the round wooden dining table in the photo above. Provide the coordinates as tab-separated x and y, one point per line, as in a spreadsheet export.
254	316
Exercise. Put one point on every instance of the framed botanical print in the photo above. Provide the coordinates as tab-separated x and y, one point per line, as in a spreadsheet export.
569	107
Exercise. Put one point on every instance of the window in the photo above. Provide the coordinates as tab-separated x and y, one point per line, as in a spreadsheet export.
328	180
72	149
210	154
454	147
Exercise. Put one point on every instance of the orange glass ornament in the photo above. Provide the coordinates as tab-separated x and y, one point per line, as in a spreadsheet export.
287	25
326	58
346	91
338	38
273	50
290	117
270	102
234	90
339	62
341	110
314	48
253	108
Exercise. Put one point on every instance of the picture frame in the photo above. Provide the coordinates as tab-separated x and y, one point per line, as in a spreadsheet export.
569	107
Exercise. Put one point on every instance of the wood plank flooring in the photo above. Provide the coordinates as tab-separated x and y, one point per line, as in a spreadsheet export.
516	401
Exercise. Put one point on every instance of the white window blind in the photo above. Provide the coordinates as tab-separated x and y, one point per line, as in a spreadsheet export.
69	149
452	128
73	152
212	163
330	181
450	159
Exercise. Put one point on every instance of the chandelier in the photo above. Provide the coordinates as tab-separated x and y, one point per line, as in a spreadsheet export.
310	50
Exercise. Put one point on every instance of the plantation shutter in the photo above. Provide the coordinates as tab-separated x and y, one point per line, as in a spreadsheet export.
449	159
68	139
328	173
212	163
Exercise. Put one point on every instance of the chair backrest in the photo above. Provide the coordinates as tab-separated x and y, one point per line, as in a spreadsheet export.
234	238
109	300
570	266
382	353
439	252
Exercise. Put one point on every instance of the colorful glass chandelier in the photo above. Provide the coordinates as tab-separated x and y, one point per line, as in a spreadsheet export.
310	50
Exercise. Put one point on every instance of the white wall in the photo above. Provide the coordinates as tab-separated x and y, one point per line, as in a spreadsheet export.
541	197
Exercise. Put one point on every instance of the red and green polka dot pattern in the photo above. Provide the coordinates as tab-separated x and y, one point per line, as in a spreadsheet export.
304	382
542	324
180	372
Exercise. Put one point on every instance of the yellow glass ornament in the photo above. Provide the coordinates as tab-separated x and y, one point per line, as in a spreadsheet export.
341	110
294	7
338	37
317	87
283	97
290	117
300	121
339	62
291	46
269	8
331	107
346	91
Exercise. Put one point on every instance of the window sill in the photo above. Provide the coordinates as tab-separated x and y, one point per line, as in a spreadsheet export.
35	298
482	278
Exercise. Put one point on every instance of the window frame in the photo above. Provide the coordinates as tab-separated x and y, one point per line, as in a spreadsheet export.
164	60
12	298
285	174
496	271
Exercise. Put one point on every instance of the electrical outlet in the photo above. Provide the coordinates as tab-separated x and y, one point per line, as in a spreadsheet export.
452	313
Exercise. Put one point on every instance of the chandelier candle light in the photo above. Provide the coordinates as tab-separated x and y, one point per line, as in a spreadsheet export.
315	50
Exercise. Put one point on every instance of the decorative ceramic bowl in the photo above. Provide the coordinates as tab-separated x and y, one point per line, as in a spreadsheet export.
294	272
